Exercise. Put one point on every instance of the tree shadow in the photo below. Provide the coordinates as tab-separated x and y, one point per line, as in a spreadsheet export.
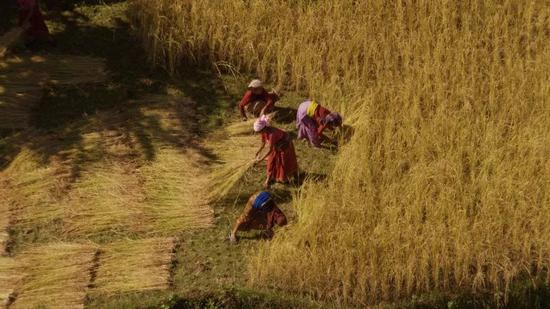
66	112
285	115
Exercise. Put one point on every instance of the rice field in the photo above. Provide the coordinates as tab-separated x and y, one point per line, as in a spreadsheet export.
444	185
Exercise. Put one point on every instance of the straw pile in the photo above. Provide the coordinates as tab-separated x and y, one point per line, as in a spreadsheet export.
106	200
30	191
9	39
135	265
9	280
236	155
57	276
175	187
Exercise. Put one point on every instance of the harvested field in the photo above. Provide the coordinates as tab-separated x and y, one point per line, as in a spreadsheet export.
135	265
22	79
175	189
57	275
106	200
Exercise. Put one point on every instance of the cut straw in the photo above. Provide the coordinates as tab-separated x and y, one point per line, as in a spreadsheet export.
10	278
135	265
56	275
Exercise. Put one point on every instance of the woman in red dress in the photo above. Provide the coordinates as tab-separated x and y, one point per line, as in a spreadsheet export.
281	157
257	100
32	20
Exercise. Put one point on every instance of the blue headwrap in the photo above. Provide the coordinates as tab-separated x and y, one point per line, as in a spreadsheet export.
261	200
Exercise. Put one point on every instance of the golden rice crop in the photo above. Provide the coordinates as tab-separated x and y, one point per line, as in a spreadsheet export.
56	275
445	183
135	265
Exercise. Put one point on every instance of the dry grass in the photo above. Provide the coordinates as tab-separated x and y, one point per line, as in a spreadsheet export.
106	200
10	278
175	190
445	184
135	265
59	68
56	276
30	189
9	39
235	158
18	94
140	173
4	215
22	80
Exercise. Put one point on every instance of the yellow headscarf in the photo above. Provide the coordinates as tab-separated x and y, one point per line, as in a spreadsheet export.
311	109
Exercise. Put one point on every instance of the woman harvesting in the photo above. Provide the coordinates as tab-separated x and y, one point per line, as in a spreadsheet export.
32	20
257	100
281	157
260	212
312	119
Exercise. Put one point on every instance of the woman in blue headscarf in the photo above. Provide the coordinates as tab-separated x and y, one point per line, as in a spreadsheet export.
260	213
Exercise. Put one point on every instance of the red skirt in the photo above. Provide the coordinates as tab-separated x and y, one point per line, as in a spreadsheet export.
282	164
38	28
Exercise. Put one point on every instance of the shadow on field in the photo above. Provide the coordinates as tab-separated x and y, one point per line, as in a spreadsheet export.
65	112
285	115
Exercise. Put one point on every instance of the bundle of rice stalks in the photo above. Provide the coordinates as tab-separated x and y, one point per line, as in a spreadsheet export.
29	190
236	158
9	39
106	200
135	265
9	280
57	276
175	189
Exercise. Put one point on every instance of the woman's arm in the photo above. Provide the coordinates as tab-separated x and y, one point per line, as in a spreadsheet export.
261	148
30	11
244	102
271	149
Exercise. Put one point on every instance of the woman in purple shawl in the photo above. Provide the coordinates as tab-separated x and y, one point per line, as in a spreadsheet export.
312	119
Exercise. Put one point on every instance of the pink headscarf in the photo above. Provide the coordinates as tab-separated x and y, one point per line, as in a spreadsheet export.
261	123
